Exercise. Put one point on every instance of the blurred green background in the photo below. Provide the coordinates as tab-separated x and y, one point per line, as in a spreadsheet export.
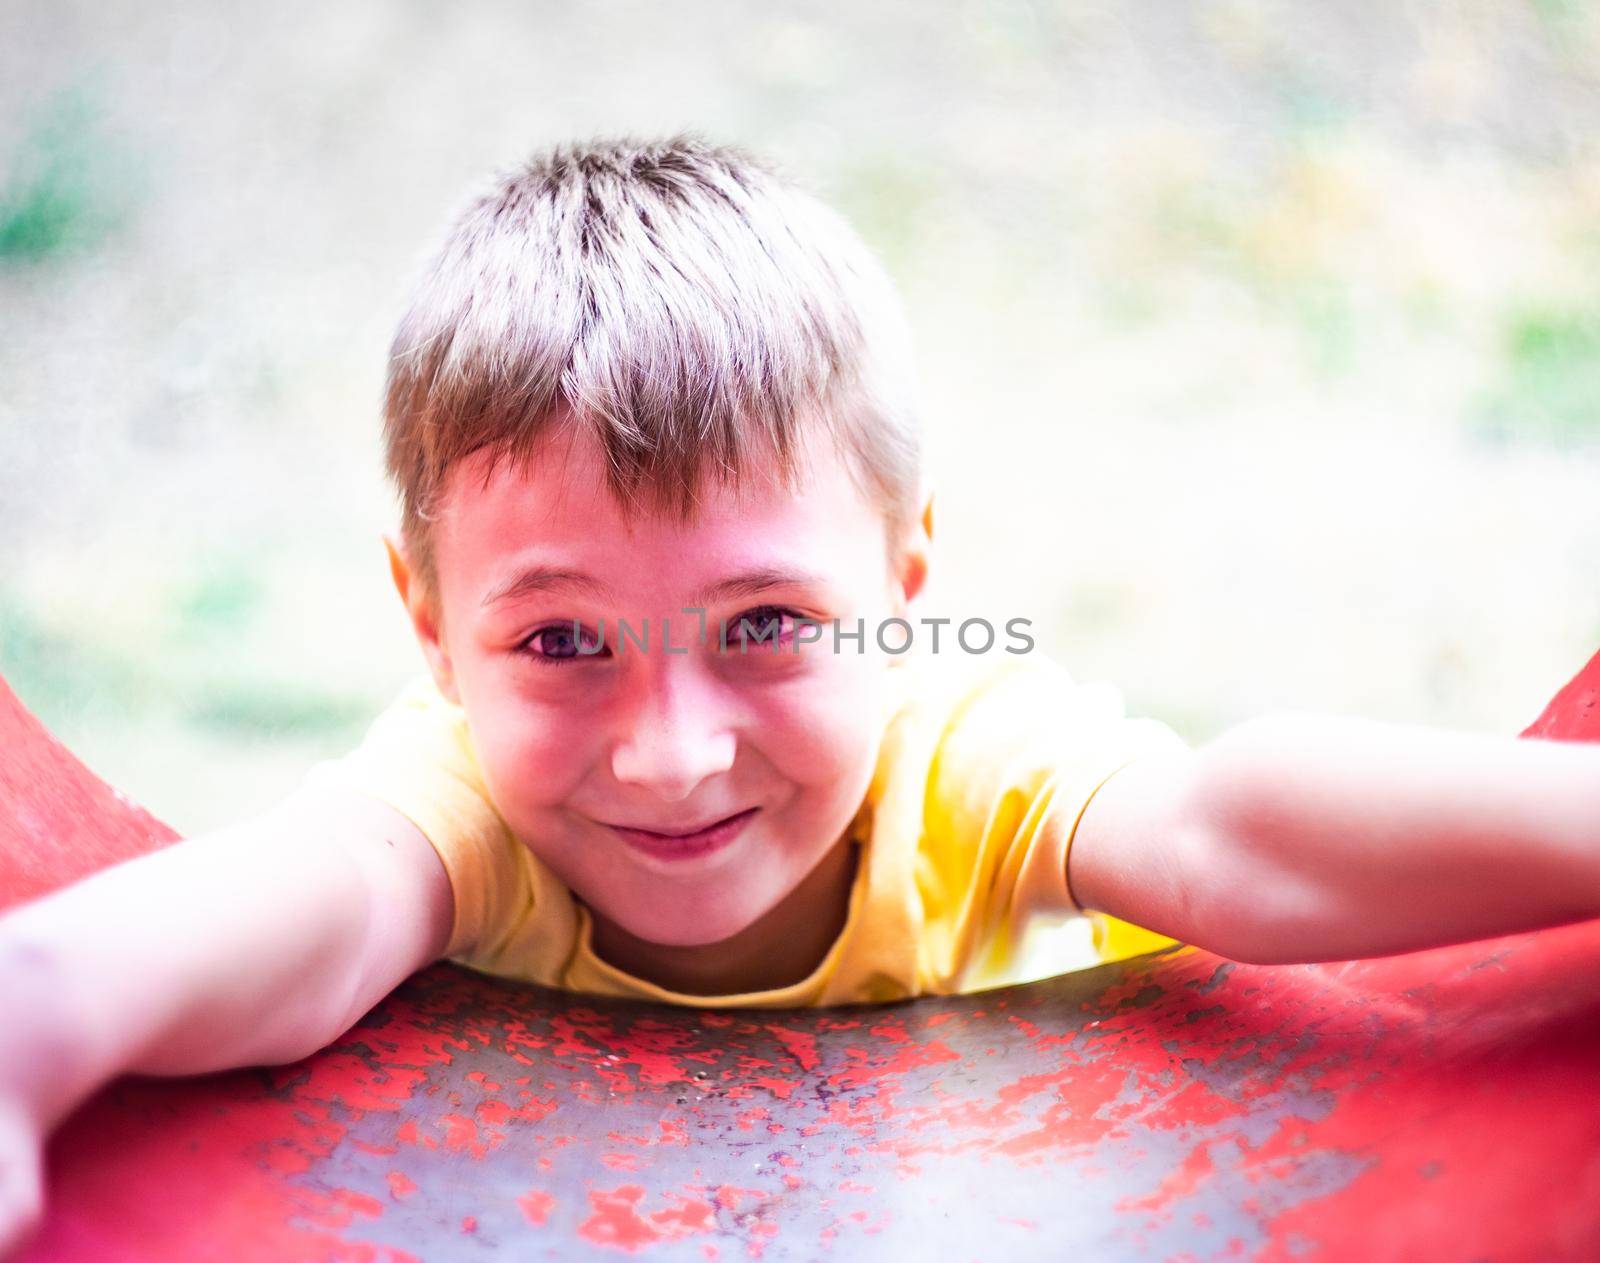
1261	341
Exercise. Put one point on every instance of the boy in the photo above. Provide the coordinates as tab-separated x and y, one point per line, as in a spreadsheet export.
663	528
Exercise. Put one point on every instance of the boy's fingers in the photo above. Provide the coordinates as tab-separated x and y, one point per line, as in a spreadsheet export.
21	1206
21	1184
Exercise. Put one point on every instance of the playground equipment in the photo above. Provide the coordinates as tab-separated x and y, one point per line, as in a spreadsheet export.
1435	1105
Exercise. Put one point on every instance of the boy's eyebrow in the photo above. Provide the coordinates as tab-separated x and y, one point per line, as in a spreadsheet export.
754	583
554	578
544	579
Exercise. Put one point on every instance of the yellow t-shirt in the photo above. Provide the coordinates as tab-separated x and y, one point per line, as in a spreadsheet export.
985	767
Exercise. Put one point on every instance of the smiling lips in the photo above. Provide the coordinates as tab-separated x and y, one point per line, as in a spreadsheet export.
688	843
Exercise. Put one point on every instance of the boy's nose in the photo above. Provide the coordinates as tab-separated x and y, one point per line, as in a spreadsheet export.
675	738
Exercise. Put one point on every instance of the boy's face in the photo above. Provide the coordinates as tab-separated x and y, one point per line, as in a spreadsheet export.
573	746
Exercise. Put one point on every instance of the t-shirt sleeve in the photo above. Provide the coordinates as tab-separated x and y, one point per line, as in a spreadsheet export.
418	758
1020	757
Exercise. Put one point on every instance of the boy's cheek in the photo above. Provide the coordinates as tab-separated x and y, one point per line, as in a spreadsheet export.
817	736
531	770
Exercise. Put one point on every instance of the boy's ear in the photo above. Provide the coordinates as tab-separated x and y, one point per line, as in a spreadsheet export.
915	555
425	620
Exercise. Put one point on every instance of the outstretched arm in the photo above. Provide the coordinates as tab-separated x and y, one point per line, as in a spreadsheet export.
257	944
1298	838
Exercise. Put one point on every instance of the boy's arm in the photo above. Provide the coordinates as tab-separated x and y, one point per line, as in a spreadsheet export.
256	944
1298	838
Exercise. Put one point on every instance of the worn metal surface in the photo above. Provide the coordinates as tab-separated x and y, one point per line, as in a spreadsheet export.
1438	1105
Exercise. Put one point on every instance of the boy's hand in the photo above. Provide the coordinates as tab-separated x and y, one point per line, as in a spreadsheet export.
21	1183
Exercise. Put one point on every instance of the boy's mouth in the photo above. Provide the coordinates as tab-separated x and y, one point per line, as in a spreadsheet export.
683	843
686	831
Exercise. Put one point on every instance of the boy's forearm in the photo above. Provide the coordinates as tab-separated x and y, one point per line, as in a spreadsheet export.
215	953
1334	838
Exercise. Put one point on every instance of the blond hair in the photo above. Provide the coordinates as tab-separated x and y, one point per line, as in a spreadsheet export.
696	312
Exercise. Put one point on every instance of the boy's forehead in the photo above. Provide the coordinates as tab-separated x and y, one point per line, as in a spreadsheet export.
558	496
562	481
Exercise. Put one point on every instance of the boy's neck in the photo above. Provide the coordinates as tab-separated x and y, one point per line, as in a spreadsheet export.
782	948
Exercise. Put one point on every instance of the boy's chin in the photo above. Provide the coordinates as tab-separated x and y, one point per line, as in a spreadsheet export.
673	921
673	928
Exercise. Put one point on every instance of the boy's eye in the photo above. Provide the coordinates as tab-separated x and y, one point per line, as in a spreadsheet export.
560	644
766	626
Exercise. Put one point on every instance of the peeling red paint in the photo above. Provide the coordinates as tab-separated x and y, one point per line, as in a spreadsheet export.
615	1222
1181	1183
536	1206
801	1045
727	1197
401	1185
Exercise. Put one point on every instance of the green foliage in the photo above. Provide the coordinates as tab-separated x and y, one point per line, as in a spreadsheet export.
66	187
60	677
886	197
1550	377
1325	312
241	707
1308	110
214	662
1560	14
205	673
226	596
